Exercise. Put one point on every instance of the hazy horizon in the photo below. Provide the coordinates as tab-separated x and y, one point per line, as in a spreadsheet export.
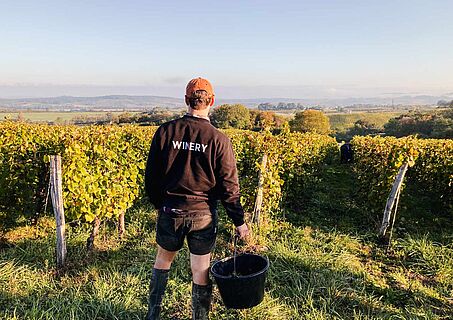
222	92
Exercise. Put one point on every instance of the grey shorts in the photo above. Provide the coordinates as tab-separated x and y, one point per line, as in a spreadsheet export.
199	227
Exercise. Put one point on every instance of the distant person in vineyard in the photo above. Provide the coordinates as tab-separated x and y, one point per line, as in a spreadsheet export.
346	153
191	165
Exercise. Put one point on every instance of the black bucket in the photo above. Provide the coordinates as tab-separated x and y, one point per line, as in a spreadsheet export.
246	288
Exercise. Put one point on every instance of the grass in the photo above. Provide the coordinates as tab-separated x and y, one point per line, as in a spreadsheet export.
343	121
324	265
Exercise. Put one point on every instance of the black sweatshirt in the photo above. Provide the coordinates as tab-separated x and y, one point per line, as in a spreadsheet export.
190	166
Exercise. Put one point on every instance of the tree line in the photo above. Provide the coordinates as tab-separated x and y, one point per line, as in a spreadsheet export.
445	104
434	124
281	106
438	124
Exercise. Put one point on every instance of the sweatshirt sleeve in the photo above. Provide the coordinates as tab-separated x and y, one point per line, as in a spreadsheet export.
228	184
153	172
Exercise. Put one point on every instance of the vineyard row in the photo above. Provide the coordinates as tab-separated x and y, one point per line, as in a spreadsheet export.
103	166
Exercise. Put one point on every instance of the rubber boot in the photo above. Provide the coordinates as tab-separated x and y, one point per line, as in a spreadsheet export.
156	293
201	301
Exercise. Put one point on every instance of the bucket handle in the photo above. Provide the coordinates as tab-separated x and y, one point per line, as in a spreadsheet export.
236	236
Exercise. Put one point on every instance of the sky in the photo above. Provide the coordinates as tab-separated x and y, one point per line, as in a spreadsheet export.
248	49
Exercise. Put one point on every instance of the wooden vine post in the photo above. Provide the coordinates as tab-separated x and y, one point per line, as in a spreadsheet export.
259	193
94	232
57	203
121	225
392	206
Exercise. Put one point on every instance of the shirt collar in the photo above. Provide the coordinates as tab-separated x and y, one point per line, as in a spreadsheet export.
196	116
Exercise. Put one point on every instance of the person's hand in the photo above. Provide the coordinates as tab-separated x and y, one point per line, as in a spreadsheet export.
243	231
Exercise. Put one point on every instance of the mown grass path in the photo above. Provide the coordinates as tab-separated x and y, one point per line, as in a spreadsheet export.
324	265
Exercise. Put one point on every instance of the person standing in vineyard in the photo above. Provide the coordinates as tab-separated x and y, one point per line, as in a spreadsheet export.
191	165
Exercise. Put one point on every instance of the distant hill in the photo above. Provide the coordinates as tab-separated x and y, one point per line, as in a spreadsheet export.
128	102
333	102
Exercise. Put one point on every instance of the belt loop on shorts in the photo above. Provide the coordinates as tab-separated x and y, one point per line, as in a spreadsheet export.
179	213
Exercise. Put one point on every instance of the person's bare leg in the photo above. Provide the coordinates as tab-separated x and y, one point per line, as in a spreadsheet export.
200	268
201	286
158	283
164	258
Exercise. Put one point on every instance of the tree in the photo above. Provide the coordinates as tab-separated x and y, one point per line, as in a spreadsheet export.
310	121
444	103
443	128
426	125
411	123
266	106
362	128
265	120
254	114
280	106
279	121
231	116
